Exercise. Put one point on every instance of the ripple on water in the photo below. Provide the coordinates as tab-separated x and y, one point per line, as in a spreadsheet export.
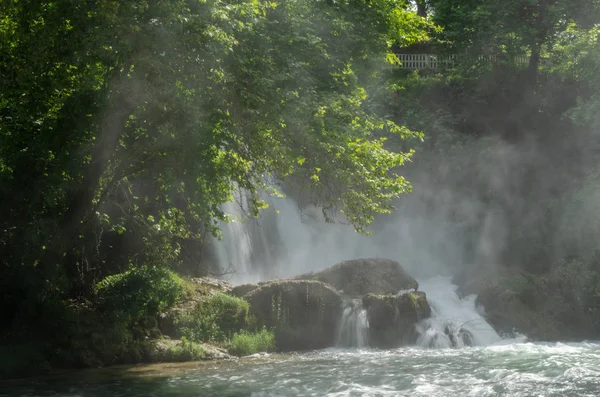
520	369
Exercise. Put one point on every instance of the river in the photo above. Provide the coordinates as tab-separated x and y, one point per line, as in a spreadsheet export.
509	369
494	367
439	365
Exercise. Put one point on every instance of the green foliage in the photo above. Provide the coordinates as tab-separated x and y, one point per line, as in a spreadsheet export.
150	115
185	351
569	295
576	56
215	319
140	292
245	343
507	28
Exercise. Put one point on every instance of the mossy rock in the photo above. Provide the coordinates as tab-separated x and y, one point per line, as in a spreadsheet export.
243	289
392	318
358	277
304	313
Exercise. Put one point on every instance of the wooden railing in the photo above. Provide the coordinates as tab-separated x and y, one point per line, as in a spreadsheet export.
434	61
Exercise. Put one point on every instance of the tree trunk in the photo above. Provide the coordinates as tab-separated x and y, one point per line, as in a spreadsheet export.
421	8
534	62
539	36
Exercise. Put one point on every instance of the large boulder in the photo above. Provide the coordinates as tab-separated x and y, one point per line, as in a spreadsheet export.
304	312
358	277
510	299
392	318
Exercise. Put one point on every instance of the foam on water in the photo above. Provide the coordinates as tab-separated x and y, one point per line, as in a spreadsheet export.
354	326
454	322
520	369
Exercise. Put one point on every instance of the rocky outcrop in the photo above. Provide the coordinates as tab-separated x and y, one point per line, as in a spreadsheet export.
303	312
243	289
358	277
174	350
509	297
392	318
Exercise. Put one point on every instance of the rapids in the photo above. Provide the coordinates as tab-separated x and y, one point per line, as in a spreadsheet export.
504	369
457	353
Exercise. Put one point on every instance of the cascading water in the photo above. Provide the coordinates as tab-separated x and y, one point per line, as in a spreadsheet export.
354	325
454	322
305	243
234	252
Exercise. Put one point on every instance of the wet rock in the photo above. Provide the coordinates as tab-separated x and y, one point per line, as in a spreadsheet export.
510	300
212	284
304	312
215	353
392	318
243	289
458	336
358	277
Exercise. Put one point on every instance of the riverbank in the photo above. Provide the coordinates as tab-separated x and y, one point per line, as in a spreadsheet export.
144	315
153	316
123	372
510	369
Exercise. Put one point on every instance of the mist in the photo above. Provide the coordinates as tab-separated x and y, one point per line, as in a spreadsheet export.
473	204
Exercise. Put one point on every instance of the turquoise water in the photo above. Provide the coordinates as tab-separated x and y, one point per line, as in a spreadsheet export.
511	369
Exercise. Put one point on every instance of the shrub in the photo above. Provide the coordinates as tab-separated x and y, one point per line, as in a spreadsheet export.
185	351
140	292
245	343
215	319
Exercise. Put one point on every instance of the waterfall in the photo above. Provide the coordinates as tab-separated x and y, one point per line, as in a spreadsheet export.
286	242
354	325
454	322
234	251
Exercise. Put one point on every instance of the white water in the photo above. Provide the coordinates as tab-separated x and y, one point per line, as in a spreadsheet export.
306	242
309	244
354	326
451	316
514	370
235	250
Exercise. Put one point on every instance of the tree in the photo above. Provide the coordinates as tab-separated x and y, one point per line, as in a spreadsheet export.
124	126
507	27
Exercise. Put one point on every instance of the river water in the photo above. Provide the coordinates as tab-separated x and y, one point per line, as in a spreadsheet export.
434	367
509	369
442	363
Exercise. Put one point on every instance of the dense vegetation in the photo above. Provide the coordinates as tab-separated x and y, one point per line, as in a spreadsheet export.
124	126
510	155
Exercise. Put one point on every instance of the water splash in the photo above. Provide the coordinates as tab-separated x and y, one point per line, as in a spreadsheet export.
285	241
304	242
234	251
454	322
354	325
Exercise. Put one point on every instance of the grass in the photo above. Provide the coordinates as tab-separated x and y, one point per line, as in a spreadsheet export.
185	351
245	343
215	319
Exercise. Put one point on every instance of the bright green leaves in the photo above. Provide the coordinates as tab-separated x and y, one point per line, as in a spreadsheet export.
139	119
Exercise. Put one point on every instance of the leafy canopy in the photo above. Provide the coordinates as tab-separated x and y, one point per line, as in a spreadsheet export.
124	126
